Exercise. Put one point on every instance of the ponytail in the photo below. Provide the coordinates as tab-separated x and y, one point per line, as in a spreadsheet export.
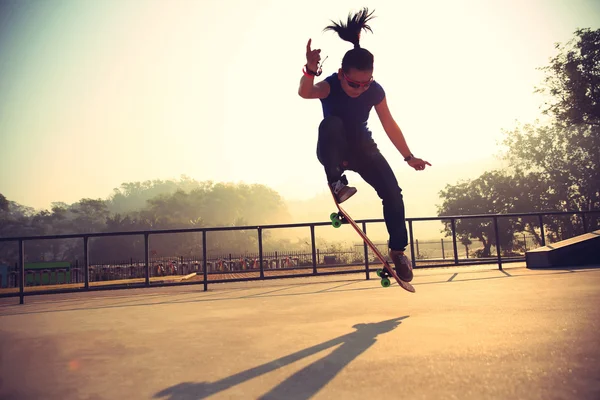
358	57
350	31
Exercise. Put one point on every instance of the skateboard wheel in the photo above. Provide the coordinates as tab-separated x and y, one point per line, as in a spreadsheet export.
385	282
379	273
333	216
336	223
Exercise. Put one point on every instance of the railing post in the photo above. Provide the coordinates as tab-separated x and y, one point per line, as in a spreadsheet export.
147	257
497	243
313	248
453	223
86	263
366	251
22	271
204	267
412	245
443	252
260	253
583	220
541	219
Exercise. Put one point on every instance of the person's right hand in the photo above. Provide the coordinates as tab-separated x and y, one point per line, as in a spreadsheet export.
312	57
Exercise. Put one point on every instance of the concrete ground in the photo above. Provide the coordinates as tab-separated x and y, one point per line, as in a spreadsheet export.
467	333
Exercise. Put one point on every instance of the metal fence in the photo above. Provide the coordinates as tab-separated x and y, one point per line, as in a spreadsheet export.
223	264
443	249
263	265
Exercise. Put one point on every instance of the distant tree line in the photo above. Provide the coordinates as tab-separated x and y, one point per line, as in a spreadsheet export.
147	205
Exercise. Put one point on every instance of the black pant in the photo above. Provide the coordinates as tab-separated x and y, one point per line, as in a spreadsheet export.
337	151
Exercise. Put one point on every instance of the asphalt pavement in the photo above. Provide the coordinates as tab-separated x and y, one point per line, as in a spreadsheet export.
467	333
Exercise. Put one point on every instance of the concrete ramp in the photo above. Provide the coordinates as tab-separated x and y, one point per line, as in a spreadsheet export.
580	250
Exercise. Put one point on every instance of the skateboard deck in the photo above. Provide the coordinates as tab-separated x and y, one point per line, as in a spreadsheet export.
342	217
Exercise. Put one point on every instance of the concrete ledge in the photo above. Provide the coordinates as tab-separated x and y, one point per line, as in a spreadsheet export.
577	251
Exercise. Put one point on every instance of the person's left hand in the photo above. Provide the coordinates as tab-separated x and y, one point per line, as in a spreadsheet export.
418	164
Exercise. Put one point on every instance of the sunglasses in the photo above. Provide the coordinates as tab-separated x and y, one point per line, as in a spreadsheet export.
355	84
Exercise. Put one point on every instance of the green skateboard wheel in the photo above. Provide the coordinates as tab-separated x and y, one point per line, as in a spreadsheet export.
336	223
385	282
379	273
333	216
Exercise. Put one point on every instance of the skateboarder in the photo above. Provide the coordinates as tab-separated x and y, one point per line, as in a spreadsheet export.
345	141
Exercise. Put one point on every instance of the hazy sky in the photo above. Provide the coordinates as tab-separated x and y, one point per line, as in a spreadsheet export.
96	93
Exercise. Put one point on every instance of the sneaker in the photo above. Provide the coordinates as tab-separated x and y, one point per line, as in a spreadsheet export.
403	266
341	191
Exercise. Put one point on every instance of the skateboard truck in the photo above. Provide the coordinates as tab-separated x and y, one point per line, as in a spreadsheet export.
385	277
337	219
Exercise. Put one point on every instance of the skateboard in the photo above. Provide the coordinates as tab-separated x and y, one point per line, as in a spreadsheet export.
341	217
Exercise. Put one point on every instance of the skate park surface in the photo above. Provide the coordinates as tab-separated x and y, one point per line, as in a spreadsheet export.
467	333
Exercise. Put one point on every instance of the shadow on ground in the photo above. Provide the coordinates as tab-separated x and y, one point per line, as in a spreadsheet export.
303	384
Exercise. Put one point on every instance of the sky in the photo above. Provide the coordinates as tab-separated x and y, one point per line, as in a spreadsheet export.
97	93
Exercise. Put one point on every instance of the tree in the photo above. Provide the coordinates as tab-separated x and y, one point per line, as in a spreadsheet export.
565	153
573	80
567	157
492	193
15	220
553	167
90	215
3	203
133	196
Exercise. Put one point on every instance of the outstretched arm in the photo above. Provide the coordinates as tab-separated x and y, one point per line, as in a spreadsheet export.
395	134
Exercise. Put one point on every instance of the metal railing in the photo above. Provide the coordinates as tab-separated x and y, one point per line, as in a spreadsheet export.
259	229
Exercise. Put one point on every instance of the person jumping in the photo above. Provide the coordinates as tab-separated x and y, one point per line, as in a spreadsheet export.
345	141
